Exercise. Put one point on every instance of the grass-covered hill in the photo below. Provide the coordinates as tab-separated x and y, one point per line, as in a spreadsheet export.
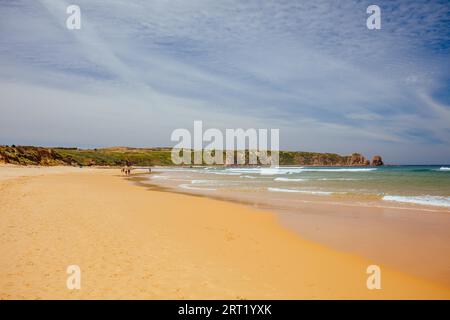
119	156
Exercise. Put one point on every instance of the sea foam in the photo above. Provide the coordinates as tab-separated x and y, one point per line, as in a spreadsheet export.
339	170
266	171
423	200
323	193
288	179
200	181
187	186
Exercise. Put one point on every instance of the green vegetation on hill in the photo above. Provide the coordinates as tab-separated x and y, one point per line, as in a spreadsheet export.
119	156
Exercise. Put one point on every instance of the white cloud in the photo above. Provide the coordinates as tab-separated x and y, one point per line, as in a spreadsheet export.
144	68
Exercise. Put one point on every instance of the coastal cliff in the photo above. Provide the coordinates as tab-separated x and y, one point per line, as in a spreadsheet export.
31	156
321	159
118	156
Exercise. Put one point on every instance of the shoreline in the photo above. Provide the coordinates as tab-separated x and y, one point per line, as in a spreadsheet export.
401	236
145	244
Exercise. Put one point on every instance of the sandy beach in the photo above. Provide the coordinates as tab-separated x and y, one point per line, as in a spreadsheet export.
135	243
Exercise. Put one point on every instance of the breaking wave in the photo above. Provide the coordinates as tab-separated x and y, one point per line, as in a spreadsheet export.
423	200
323	193
288	179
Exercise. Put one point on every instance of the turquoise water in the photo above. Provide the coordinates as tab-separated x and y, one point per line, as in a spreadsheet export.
423	185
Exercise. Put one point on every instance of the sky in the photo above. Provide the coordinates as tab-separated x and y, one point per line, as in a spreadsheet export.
137	70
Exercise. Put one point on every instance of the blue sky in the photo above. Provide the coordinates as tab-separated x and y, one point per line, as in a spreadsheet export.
137	70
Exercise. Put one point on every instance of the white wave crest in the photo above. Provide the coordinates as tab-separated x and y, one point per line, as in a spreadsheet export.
158	176
444	169
340	170
338	179
199	181
287	170
288	179
322	193
187	186
266	171
227	173
423	200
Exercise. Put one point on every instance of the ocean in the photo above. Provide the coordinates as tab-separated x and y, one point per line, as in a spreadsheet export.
418	185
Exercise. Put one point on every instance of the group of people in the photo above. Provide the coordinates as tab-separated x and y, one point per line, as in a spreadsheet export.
126	171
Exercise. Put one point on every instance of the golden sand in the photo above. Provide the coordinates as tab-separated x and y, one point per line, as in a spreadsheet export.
132	243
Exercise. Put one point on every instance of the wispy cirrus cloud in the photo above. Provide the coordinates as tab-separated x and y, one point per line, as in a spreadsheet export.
137	70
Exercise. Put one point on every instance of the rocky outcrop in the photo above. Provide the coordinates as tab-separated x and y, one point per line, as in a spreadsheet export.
322	159
377	161
357	159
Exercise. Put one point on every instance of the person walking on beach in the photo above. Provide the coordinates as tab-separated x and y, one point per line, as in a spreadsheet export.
126	171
